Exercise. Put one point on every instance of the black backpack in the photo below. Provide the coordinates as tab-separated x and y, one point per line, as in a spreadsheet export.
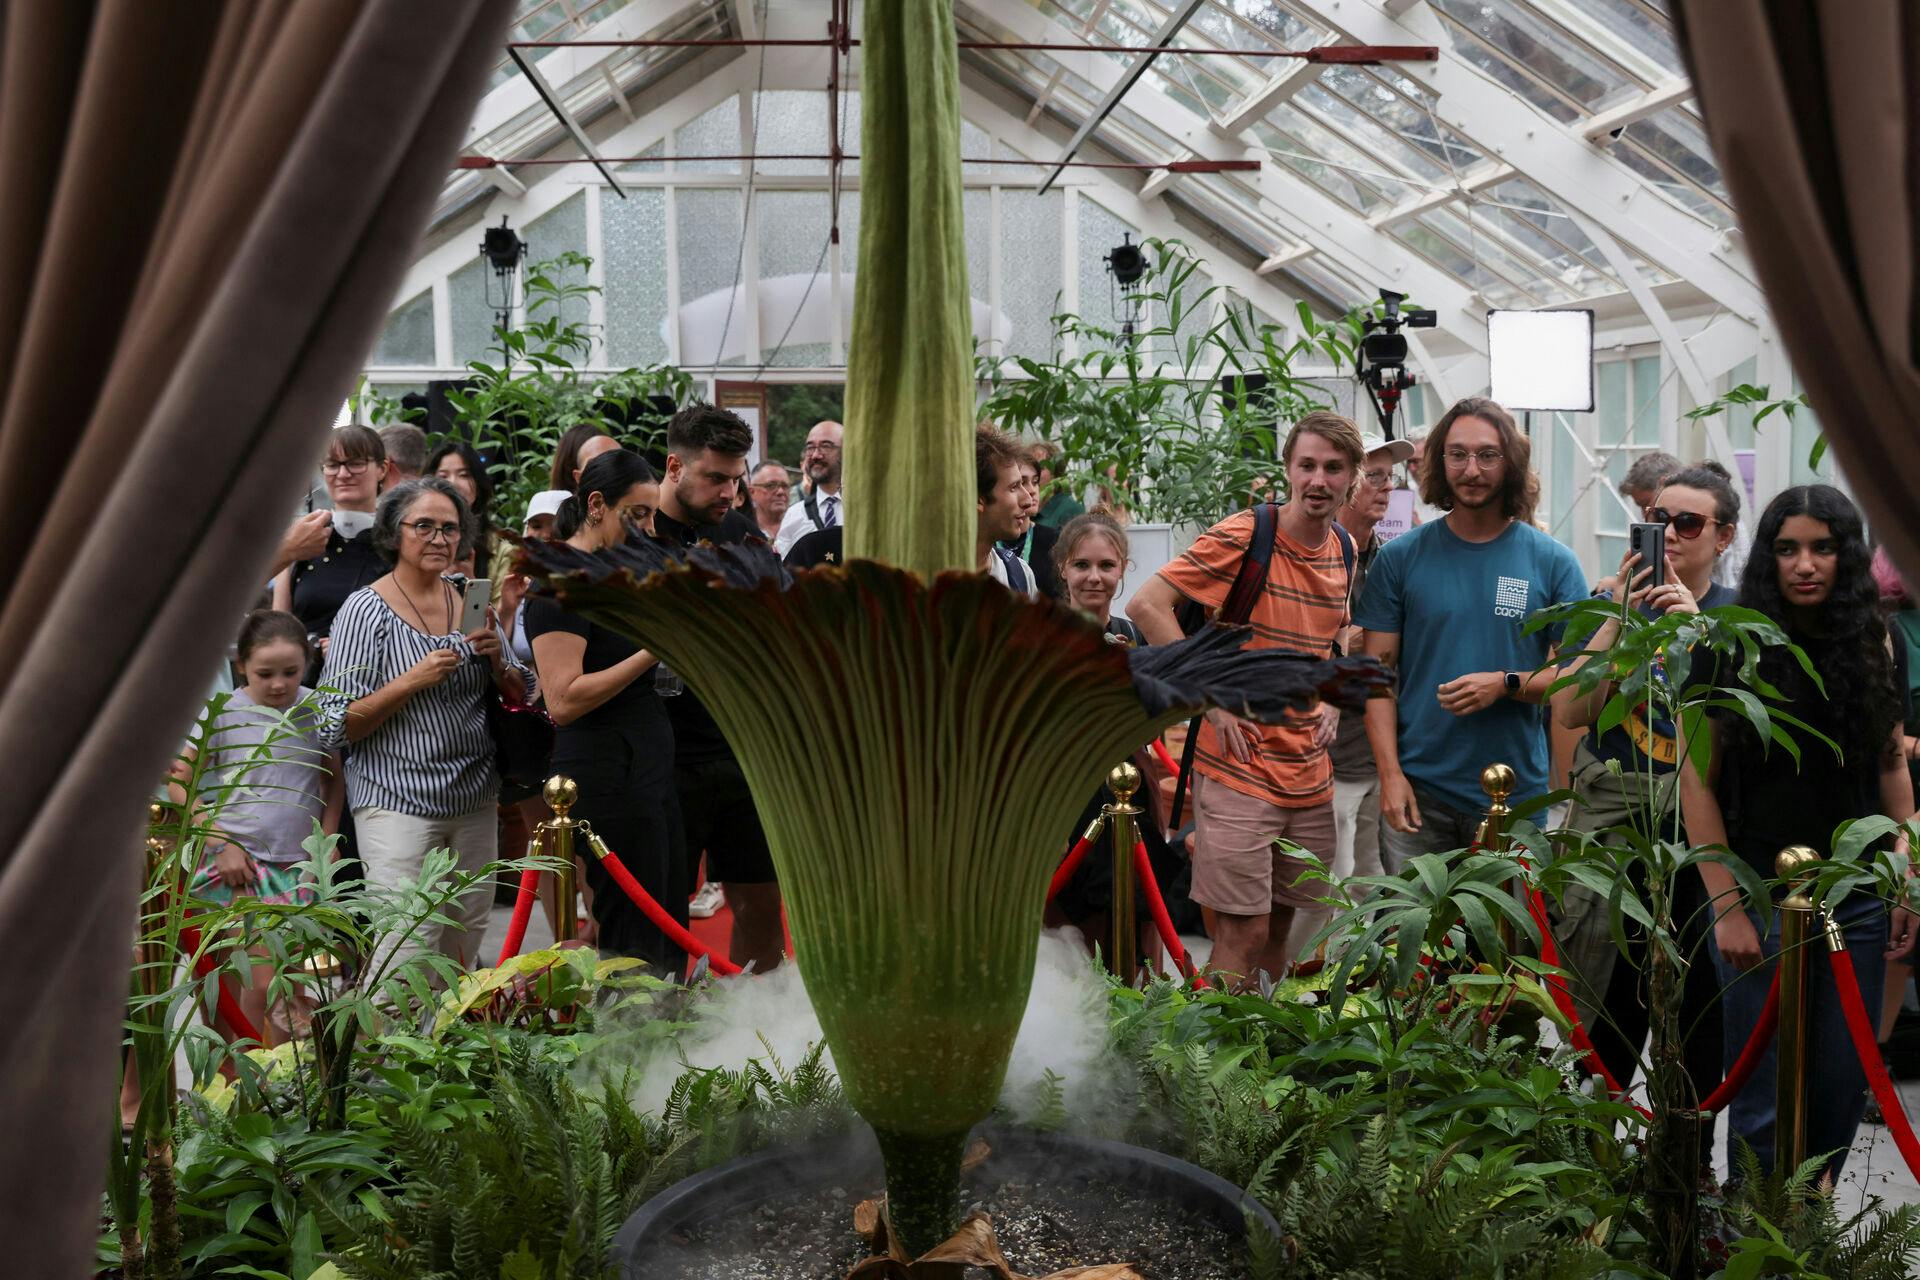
1248	582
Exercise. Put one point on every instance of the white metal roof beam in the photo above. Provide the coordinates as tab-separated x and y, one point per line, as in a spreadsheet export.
1601	128
1477	179
1552	157
1279	88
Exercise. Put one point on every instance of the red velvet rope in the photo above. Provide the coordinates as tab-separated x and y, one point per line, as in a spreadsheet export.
1756	1049
675	931
1071	864
522	913
1161	754
228	1007
1867	1046
1157	907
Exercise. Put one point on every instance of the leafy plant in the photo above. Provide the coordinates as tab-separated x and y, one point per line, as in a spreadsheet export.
1165	436
517	405
1785	1223
1763	402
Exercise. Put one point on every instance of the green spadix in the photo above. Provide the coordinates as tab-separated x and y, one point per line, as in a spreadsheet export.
918	741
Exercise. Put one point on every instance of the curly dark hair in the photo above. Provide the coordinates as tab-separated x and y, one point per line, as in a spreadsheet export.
1845	637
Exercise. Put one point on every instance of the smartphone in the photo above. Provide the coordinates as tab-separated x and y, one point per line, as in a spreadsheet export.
473	604
1650	540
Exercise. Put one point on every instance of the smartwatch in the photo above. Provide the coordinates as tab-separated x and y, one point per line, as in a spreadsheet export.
1513	682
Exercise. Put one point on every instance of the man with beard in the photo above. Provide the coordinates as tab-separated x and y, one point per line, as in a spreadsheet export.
706	464
1260	791
820	463
1004	484
1356	785
1448	605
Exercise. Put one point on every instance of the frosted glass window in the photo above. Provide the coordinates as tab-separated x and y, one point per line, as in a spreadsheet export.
408	337
1627	425
1030	262
1100	232
634	238
709	235
793	228
472	317
715	132
647	168
794	122
562	229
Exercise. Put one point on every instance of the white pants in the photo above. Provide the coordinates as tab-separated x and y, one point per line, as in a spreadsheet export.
1356	851
392	847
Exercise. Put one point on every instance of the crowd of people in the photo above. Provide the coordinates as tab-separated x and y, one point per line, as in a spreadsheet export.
369	605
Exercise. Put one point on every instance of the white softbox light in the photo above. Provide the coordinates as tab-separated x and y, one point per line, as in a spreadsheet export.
1541	359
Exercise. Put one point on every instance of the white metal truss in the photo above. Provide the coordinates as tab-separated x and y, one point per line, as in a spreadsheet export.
1553	157
1302	210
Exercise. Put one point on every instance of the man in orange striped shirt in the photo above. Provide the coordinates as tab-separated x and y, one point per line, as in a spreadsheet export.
1262	790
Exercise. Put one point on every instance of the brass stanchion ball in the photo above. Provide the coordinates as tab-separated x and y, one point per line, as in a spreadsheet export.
1497	781
1123	781
561	793
1794	861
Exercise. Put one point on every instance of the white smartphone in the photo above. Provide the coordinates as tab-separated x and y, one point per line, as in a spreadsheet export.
473	604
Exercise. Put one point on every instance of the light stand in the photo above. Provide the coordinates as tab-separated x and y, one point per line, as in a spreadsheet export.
1126	265
504	251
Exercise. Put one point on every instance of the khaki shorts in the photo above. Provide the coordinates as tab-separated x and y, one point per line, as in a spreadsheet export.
1236	866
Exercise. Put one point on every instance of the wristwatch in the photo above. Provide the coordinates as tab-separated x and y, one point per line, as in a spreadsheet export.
1513	682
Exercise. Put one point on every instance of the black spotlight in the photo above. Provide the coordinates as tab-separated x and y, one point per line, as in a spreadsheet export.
503	248
1127	262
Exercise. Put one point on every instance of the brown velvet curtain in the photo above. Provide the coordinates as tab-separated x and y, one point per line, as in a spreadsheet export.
1813	109
205	209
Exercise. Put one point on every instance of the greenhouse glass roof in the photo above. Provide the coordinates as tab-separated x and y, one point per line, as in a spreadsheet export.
1551	148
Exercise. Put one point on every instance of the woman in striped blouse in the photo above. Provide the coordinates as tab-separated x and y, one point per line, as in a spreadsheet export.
420	771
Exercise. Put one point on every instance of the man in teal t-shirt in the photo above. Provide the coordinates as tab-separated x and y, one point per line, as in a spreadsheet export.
1447	604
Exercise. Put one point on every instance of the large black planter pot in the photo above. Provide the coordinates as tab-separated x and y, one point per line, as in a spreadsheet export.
652	1243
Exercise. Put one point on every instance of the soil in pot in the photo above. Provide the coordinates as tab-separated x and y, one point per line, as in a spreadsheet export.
1046	1220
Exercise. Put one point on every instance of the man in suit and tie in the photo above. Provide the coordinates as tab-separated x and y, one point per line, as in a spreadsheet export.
820	464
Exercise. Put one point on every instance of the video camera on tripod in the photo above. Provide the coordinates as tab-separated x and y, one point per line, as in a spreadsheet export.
1382	365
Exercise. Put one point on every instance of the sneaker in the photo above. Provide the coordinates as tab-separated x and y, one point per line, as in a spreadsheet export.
707	901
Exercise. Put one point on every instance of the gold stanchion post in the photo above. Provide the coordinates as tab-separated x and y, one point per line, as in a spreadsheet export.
1793	865
1497	781
561	794
1123	955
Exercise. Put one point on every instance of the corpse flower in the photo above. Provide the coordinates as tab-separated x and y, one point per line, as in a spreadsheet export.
918	740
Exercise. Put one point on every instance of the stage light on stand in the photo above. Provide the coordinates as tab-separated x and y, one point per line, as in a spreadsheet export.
504	251
1382	364
1126	265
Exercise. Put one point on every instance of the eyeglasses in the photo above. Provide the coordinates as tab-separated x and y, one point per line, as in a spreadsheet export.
775	486
1379	479
428	531
351	466
1688	524
819	448
1487	458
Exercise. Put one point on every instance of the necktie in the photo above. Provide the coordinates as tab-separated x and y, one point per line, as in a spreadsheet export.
830	510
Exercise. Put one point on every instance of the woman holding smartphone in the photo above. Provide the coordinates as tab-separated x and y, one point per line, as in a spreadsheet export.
1809	573
614	737
420	774
1625	778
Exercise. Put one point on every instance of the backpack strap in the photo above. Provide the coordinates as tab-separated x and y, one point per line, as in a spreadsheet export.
1249	580
811	505
1018	578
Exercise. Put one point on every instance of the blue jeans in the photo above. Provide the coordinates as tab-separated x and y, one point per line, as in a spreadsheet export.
1836	1085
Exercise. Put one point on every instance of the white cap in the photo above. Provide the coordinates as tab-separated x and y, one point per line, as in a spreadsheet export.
546	503
1371	444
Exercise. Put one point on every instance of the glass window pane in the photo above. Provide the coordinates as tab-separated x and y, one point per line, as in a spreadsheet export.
715	132
468	291
562	229
709	233
1536	47
1646	401
1391	152
408	337
1031	228
1394	112
1649	36
796	301
1676	139
634	232
794	122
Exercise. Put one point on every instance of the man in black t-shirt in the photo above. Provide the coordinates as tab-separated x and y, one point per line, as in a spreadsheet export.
706	465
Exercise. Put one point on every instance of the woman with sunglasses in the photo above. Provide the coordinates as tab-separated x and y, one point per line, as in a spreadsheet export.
330	554
614	738
421	773
1625	778
1809	573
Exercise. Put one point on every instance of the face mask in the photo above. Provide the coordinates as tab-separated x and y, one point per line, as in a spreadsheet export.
351	524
